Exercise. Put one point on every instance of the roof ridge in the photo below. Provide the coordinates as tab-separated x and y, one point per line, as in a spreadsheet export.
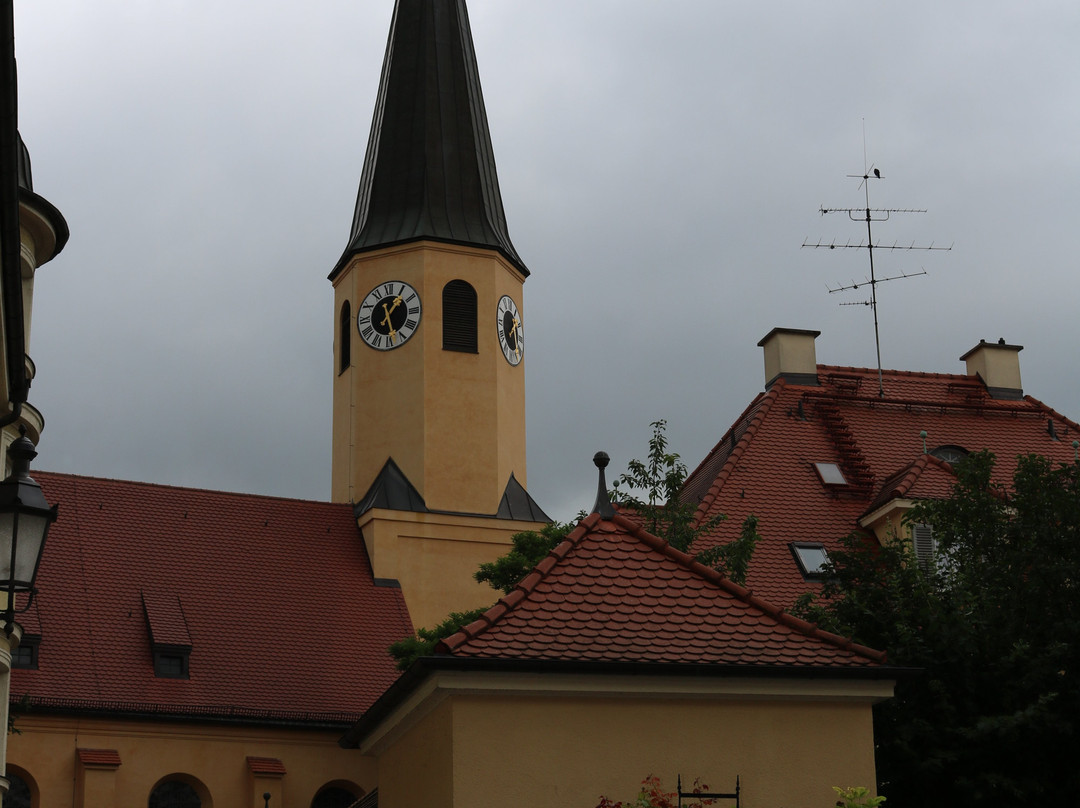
64	475
753	422
1052	412
922	374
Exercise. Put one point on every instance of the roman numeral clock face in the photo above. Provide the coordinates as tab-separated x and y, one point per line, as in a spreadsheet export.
511	331
389	315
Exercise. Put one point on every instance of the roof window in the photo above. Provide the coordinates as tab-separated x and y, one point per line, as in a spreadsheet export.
812	558
830	474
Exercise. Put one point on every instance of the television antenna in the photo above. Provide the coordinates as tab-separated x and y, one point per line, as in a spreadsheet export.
871	216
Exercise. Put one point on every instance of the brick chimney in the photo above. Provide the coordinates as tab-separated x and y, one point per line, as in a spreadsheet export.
998	365
789	353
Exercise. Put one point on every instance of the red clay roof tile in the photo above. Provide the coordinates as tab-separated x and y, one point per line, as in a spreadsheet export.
278	602
637	600
876	441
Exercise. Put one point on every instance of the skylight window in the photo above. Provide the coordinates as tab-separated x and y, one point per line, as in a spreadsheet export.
812	558
830	474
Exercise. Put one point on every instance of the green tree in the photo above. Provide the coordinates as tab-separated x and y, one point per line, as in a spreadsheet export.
529	549
660	480
994	624
651	490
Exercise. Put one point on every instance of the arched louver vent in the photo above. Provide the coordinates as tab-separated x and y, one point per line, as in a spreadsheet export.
345	338
459	317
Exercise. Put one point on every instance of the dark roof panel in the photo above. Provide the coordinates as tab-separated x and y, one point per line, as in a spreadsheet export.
429	172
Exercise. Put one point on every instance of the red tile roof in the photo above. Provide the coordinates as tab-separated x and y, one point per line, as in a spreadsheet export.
765	465
614	593
274	596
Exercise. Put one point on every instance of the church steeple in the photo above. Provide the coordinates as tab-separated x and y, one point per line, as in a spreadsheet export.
430	172
429	322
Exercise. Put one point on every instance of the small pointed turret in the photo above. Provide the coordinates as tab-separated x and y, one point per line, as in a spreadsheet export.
429	172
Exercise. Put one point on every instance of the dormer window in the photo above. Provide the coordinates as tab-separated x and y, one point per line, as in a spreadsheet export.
171	662
812	558
26	654
830	474
170	642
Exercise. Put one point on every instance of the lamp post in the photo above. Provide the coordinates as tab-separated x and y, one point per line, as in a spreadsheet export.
25	517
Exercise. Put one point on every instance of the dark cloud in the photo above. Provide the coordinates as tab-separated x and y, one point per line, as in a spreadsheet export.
660	164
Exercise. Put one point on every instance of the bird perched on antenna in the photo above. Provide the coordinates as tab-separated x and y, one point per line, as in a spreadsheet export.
877	173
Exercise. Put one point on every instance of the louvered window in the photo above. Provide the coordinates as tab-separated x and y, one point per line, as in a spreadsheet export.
459	317
345	338
922	537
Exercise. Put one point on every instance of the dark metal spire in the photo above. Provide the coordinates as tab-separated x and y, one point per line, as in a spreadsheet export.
429	172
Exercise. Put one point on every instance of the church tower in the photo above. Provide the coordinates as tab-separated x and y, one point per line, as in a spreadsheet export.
429	349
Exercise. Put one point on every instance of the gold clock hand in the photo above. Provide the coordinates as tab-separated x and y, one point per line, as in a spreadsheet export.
386	319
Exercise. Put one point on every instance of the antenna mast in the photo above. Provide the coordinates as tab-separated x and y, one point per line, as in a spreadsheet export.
871	215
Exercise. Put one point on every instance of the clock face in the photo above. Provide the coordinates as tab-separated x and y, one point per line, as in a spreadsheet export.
511	331
389	315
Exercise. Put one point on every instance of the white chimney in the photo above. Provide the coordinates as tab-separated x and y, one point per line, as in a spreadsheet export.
998	365
789	353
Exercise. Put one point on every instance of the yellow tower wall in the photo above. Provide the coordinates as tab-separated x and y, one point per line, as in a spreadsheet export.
453	422
434	556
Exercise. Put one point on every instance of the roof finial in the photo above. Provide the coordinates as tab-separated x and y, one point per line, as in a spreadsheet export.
922	434
603	504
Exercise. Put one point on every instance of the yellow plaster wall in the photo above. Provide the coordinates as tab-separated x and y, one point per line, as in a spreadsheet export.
419	769
215	757
530	751
433	556
454	422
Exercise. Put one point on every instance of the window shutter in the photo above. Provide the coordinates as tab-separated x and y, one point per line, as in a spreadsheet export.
922	537
459	317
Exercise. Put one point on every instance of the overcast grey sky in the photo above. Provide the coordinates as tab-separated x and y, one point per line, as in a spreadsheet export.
660	163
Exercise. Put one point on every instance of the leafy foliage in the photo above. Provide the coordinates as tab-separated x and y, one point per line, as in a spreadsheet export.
660	480
666	516
652	795
529	549
406	651
994	718
733	559
857	797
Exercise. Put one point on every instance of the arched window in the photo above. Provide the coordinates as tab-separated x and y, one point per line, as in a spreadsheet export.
19	794
345	338
459	317
334	797
174	794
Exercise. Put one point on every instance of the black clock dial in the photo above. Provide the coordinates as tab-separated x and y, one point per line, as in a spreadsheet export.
511	331
389	315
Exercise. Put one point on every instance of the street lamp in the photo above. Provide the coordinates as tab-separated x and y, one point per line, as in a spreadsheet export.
25	516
